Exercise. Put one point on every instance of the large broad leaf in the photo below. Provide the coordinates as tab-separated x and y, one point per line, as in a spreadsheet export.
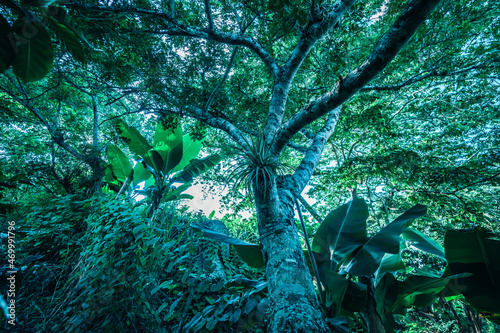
169	143
344	293
197	167
176	194
69	39
385	294
476	251
366	260
62	17
135	141
34	50
423	242
395	297
391	263
417	290
191	150
249	253
155	160
342	231
7	53
140	174
119	163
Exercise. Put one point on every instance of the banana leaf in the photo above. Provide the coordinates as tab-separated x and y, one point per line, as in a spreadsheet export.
248	252
119	163
476	252
196	167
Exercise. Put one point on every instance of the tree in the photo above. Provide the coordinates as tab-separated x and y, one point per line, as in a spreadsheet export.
302	26
275	77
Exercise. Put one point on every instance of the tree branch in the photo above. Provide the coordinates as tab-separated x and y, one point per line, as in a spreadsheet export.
174	28
208	12
217	122
313	154
312	32
56	135
421	77
402	30
224	78
95	125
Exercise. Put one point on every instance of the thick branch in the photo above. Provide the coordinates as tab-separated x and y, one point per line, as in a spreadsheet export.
309	35
217	122
402	30
306	168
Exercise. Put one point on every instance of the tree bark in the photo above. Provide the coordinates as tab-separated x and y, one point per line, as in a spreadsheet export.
294	304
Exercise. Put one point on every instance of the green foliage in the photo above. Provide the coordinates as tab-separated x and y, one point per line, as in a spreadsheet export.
343	234
255	166
249	253
10	183
105	265
159	161
242	307
117	252
342	248
475	251
27	46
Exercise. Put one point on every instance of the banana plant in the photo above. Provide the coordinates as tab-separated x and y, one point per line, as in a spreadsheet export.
169	160
362	273
475	251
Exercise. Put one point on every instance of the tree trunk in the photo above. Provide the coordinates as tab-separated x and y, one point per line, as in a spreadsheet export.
294	304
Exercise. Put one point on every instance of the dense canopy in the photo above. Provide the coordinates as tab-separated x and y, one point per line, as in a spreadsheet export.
379	118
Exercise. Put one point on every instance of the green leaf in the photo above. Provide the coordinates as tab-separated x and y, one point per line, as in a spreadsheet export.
135	141
191	150
391	263
34	57
163	285
197	167
168	142
7	42
39	3
155	161
249	253
69	39
336	284
355	297
140	174
415	285
342	231
153	241
476	251
62	17
113	184
423	242
119	163
176	194
366	260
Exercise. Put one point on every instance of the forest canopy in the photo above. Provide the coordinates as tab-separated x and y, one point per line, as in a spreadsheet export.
360	137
